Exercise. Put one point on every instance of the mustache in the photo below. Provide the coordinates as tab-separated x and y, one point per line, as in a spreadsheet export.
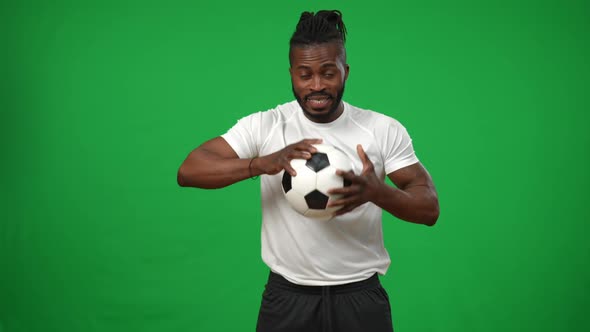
318	94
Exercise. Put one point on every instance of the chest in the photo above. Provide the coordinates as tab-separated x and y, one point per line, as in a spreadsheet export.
345	138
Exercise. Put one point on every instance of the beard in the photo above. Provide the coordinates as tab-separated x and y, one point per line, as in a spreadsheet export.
324	116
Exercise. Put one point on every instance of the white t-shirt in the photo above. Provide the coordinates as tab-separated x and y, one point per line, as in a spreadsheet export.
347	248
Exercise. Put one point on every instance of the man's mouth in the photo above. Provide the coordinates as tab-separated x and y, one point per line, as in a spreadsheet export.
318	101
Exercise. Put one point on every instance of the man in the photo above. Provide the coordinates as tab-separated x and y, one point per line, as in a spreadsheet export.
324	274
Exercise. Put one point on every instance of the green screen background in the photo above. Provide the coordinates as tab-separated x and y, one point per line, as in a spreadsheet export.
102	101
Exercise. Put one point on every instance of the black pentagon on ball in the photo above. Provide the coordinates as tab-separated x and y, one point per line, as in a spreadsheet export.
316	200
318	161
287	182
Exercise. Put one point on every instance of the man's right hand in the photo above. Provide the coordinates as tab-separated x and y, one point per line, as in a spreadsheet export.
274	163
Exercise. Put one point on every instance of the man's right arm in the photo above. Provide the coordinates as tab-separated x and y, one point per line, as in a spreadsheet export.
215	164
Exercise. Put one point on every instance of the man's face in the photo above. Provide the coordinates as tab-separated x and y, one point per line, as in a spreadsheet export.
318	74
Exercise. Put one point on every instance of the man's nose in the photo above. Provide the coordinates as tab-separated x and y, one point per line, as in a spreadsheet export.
316	83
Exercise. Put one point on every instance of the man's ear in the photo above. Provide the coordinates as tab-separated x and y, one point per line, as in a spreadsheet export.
346	71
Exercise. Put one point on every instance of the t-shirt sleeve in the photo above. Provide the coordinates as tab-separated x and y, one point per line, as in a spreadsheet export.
242	137
246	136
398	149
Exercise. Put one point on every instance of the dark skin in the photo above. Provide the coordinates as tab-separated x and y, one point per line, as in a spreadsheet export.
318	74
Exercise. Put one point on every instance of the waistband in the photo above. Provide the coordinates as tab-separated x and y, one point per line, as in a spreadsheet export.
277	281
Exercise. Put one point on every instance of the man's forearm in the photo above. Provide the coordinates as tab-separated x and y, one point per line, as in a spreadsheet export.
205	170
417	204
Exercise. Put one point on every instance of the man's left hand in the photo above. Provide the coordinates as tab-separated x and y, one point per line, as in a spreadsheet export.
363	187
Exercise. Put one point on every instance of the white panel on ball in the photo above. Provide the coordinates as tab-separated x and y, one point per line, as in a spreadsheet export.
328	179
296	163
340	160
297	201
305	180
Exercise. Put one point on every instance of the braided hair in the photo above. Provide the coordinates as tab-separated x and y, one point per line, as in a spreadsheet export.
325	26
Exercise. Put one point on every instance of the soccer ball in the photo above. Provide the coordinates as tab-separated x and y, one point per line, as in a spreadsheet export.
307	192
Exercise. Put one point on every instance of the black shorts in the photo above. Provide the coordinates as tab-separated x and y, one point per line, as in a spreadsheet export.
356	307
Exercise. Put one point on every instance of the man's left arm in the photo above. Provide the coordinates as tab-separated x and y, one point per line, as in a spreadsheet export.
414	200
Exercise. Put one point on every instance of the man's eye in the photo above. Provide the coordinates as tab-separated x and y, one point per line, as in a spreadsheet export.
305	77
329	75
